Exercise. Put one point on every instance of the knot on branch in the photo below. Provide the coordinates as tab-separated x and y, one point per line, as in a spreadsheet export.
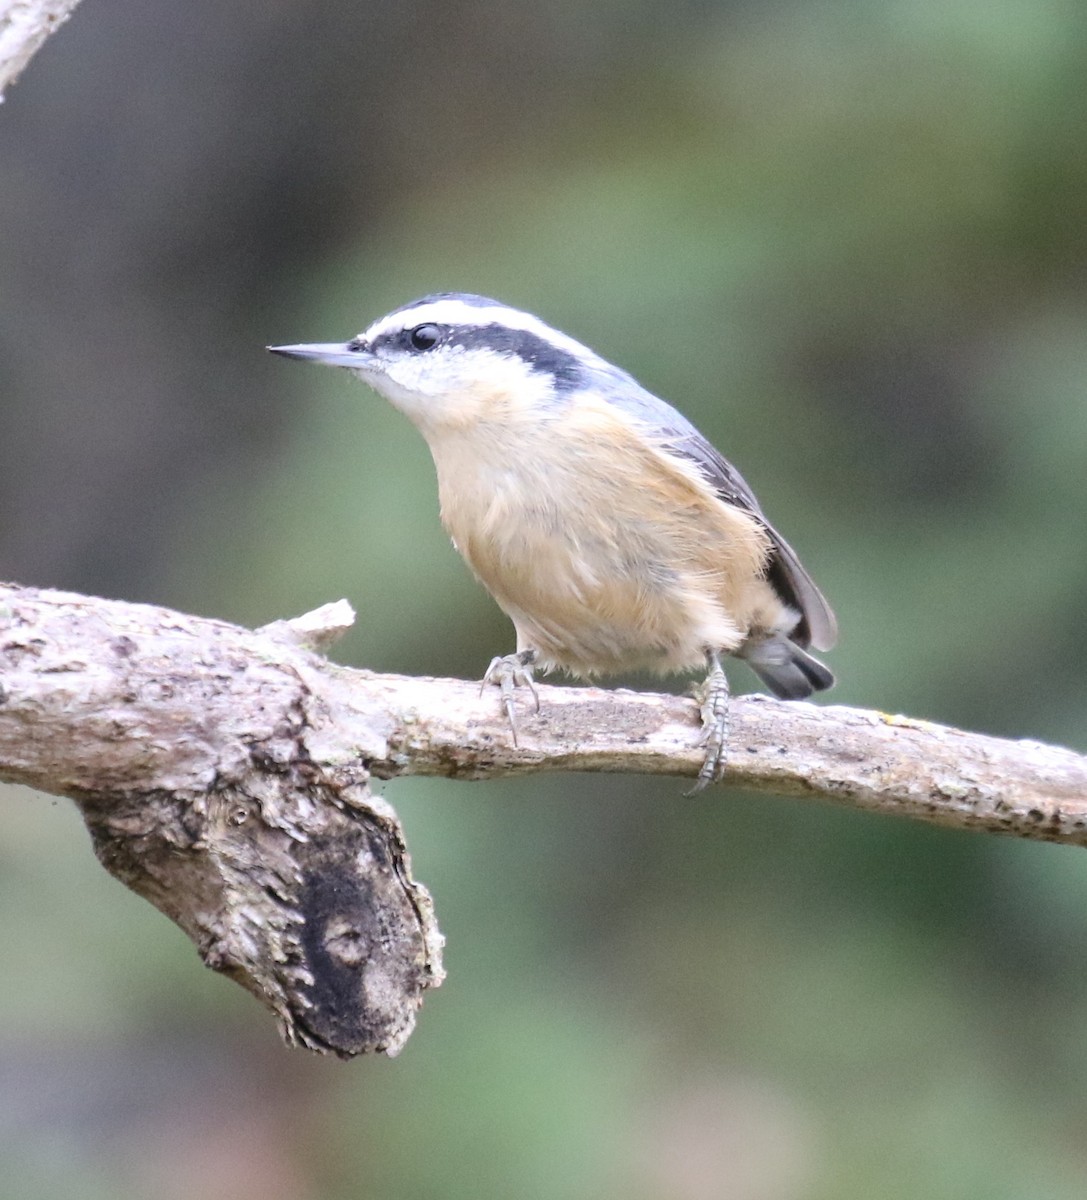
199	754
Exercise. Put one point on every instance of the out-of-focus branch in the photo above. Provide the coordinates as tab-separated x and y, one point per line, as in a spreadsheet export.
24	26
223	774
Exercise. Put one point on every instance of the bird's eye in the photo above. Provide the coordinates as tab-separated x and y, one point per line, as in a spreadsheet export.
425	337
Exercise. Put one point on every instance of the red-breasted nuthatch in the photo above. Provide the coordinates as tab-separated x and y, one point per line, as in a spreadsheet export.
606	527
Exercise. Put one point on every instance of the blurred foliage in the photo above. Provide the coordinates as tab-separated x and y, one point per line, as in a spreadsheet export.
847	238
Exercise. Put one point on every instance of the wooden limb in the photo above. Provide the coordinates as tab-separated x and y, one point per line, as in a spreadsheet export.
223	774
24	26
209	766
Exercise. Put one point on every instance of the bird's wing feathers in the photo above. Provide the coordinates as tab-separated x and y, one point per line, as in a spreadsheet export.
790	580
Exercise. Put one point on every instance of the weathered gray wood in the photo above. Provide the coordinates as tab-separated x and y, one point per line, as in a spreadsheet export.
211	768
224	773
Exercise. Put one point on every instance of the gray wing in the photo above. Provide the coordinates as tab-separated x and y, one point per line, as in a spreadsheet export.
792	583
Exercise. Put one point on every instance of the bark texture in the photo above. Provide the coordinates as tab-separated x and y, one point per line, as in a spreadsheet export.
208	766
224	775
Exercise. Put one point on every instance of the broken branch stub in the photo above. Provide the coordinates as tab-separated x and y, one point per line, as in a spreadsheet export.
194	750
224	775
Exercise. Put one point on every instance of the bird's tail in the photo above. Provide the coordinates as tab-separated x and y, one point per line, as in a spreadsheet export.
787	669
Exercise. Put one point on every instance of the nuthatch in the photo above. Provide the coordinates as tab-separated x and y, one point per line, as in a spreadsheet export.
606	527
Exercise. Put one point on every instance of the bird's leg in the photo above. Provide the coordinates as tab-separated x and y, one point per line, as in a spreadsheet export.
508	671
713	698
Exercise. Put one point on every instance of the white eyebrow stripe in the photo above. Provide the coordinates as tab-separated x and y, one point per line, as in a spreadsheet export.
454	312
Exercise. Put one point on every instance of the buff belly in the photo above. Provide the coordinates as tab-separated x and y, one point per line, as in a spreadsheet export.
603	568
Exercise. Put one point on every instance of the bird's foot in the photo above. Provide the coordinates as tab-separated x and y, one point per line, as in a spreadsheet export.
507	672
713	696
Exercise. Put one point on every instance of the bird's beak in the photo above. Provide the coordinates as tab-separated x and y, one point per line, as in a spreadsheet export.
332	354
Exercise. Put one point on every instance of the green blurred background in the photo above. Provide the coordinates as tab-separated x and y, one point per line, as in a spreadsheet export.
849	239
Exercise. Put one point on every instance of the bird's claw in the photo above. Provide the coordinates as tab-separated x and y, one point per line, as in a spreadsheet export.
507	672
713	706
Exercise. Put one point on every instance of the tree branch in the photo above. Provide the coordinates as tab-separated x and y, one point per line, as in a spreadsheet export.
223	774
24	26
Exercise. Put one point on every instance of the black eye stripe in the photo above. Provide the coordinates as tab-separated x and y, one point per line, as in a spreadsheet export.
413	340
540	354
537	352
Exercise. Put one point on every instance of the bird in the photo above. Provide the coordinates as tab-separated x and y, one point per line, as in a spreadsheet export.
603	523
